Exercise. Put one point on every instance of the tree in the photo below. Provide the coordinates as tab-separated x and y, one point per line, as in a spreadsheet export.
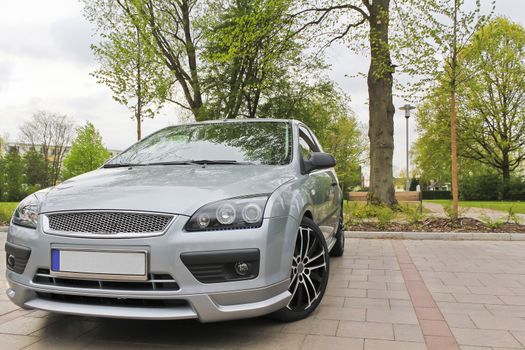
324	108
2	179
249	51
370	20
175	36
87	152
130	67
35	169
50	133
14	175
442	30
493	103
345	141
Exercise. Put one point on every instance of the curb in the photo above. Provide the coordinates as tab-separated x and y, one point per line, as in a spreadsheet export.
3	228
441	236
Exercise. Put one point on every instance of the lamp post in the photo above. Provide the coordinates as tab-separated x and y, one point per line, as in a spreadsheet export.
407	108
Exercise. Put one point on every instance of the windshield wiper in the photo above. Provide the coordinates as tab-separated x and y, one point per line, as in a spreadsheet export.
219	161
199	161
177	162
121	165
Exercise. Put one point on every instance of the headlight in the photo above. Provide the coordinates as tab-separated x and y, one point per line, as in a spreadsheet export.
26	214
235	213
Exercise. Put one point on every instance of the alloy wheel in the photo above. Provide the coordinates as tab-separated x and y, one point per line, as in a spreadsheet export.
309	270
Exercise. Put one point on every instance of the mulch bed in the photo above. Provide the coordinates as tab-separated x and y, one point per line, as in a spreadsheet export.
437	225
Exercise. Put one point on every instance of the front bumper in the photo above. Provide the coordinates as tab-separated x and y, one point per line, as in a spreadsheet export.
263	294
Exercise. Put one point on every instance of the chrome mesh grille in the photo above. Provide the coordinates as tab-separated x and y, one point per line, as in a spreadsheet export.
108	222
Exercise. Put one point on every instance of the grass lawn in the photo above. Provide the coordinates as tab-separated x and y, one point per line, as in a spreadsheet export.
518	207
6	210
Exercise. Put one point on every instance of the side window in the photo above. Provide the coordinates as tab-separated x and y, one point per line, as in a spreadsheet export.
306	145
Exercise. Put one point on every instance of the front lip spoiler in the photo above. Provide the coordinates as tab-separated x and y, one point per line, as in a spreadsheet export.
168	313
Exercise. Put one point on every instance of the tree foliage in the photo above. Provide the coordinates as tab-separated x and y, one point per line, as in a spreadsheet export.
492	128
442	30
325	109
369	21
13	169
491	118
249	51
35	169
50	133
87	152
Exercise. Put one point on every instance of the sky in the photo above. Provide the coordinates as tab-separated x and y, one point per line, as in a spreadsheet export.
46	61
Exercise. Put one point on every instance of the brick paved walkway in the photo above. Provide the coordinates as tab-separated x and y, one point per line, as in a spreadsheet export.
466	293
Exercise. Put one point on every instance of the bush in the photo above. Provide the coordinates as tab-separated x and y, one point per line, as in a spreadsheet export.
517	189
437	195
6	210
486	187
413	213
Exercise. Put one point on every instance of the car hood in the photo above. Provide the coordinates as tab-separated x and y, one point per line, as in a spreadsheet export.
177	189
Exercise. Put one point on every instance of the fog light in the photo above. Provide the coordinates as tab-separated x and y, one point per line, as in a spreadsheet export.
242	268
11	260
10	293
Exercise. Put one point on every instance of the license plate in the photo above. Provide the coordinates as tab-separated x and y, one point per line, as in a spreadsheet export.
104	265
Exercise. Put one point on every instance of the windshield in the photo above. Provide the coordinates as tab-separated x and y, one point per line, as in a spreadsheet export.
233	142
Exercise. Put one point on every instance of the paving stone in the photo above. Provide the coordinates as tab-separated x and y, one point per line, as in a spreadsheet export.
329	300
12	341
315	342
366	303
372	344
408	332
6	307
513	300
346	292
374	330
312	326
484	337
488	321
392	316
441	343
459	320
435	327
478	298
340	314
388	294
25	325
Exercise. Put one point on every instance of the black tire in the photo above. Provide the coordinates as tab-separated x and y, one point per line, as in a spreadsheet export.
309	273
339	248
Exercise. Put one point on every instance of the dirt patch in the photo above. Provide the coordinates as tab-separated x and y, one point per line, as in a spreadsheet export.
437	225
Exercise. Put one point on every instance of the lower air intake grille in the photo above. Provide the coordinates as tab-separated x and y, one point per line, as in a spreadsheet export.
161	282
100	222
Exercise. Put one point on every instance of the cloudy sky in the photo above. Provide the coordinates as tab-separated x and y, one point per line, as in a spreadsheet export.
45	61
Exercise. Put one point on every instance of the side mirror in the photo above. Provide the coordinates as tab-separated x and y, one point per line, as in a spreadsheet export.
319	160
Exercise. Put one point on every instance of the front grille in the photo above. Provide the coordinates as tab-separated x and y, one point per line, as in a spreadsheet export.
128	302
99	222
160	282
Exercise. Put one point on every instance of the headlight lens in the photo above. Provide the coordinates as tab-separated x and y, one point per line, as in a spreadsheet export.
246	212
26	214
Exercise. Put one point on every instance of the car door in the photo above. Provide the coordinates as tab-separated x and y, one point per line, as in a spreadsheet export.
321	185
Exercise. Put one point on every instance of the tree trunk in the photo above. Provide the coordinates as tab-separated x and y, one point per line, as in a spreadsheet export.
506	175
139	128
381	107
453	147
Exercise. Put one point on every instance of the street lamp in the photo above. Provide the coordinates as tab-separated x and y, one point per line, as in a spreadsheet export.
407	108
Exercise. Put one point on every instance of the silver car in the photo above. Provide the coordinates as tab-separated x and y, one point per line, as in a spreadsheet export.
210	221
